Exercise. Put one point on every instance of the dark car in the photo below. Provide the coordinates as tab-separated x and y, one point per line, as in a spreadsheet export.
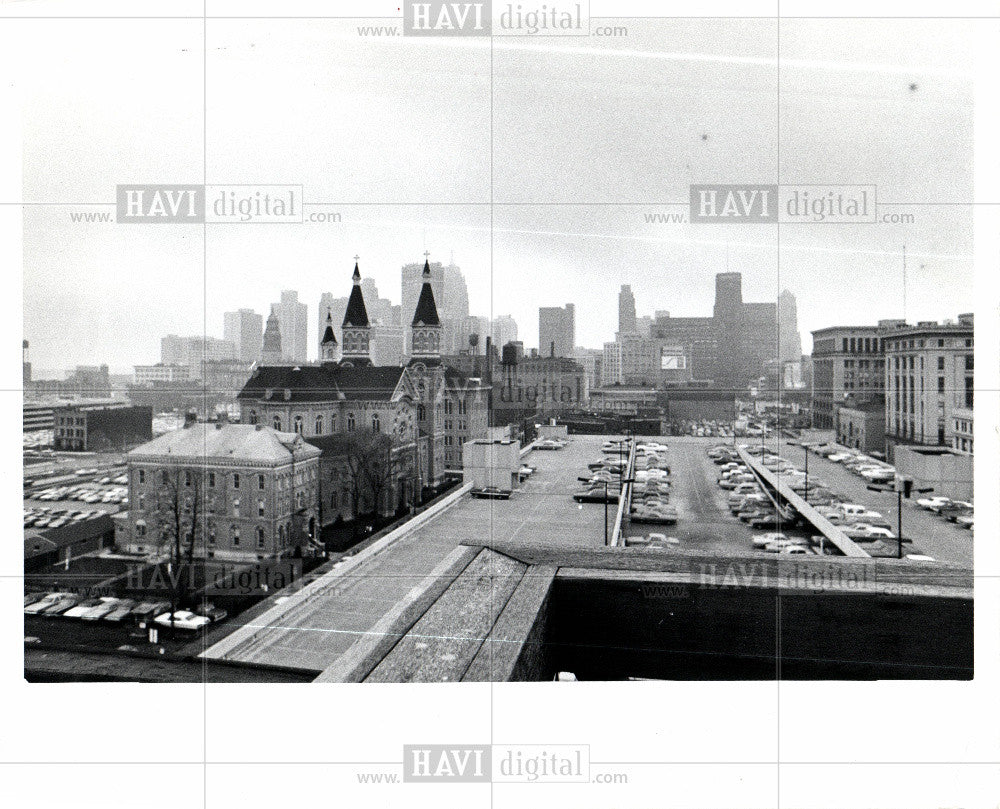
491	493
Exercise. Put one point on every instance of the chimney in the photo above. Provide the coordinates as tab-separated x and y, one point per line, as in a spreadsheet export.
190	418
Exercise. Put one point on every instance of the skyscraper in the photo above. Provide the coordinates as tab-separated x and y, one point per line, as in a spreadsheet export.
244	329
626	310
789	341
556	331
292	319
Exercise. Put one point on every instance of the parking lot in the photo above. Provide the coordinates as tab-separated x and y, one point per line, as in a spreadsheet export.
932	535
704	523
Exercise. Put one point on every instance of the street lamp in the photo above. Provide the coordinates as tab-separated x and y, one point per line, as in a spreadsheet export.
902	486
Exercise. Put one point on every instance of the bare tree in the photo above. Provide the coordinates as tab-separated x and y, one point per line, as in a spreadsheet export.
178	507
372	467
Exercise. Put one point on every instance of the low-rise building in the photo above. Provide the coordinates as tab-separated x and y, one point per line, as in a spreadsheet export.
101	427
862	426
238	492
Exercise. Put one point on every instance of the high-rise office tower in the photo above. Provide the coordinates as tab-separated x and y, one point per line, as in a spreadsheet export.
244	328
556	331
789	340
626	310
292	319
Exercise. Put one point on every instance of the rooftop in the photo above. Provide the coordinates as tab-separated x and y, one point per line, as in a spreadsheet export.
245	442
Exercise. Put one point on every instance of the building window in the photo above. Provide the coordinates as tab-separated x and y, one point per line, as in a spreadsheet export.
236	507
276	423
333	422
447	407
211	480
319	425
187	477
260	508
260	482
141	504
940	362
421	413
376	423
260	537
142	475
164	477
969	362
298	424
253	416
235	533
968	392
211	535
940	384
350	422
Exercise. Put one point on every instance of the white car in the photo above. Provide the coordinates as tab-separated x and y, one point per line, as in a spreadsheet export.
933	503
762	540
781	544
869	530
182	619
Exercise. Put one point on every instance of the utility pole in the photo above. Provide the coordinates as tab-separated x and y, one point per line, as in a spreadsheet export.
805	495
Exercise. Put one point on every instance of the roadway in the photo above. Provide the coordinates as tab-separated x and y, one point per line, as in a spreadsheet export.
932	535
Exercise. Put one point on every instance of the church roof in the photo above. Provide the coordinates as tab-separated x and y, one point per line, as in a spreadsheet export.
356	314
328	335
426	313
323	383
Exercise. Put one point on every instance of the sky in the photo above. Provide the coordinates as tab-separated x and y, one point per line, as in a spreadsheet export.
587	137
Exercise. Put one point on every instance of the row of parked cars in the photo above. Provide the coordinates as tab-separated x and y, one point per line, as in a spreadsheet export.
651	486
874	470
960	512
749	504
118	610
86	493
46	517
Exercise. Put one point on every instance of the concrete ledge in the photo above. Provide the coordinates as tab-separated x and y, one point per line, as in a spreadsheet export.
506	655
315	588
359	661
846	545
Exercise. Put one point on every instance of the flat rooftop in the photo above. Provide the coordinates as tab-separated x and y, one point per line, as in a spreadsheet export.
312	629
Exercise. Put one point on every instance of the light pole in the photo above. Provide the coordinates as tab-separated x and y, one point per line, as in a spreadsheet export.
805	495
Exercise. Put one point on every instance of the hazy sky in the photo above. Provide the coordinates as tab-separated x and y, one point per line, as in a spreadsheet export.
588	137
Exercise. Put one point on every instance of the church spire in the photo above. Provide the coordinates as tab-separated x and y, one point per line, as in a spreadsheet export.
356	330
328	345
426	325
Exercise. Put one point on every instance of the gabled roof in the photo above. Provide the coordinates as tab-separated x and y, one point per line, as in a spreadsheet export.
426	313
356	314
324	383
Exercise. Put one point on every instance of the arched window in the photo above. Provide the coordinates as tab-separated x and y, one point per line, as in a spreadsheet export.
319	425
350	422
420	412
376	423
276	422
298	424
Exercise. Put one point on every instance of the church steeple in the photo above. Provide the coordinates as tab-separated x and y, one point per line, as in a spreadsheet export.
356	329
328	347
426	325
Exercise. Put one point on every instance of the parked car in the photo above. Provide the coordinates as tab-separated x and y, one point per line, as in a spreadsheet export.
98	611
82	608
43	603
182	619
933	503
121	611
491	493
955	509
